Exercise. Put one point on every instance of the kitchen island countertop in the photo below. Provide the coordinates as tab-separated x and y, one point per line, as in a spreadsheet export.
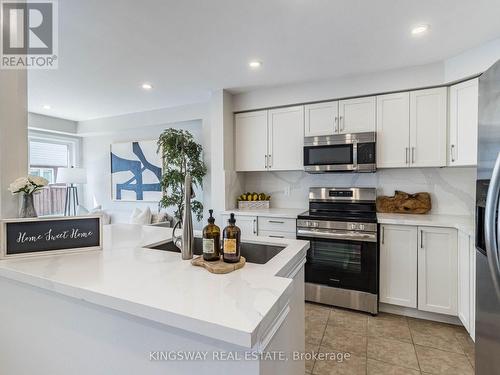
157	285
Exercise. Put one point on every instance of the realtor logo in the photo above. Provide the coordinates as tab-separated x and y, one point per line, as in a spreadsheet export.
29	34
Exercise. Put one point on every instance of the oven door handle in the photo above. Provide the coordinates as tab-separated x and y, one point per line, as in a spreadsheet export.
338	235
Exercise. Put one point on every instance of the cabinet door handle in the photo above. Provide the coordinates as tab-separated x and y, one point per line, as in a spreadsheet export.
270	161
336	125
407	150
273	236
254	226
413	155
452	153
421	239
276	222
383	235
265	158
341	123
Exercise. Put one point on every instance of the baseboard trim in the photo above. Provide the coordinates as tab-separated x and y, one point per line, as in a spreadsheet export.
414	313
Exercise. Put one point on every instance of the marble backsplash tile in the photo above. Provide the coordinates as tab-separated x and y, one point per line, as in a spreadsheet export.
452	189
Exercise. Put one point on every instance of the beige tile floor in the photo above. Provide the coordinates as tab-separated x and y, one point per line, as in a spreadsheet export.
385	345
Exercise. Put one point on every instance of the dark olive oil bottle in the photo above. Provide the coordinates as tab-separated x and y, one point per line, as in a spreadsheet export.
211	240
231	244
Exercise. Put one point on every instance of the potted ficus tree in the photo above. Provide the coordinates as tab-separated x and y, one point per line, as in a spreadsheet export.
180	154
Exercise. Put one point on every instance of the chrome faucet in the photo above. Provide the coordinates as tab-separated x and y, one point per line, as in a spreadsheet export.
186	242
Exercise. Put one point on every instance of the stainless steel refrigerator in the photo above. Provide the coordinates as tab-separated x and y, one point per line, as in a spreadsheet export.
488	225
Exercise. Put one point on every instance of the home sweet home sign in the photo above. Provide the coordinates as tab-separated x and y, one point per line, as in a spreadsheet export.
43	236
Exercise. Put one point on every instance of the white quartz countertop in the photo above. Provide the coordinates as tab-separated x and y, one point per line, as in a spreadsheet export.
157	285
462	223
287	213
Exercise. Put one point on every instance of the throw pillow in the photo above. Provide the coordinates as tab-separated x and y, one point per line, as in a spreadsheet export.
141	217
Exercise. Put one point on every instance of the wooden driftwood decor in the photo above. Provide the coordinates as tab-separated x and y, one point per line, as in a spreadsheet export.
404	203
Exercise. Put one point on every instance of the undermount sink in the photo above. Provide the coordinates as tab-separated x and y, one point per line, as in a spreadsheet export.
253	253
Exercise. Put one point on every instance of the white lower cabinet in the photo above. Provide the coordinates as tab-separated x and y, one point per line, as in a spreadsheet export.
464	281
418	268
467	282
276	227
398	265
247	224
437	270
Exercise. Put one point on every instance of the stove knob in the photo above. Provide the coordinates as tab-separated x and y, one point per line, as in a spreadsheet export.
361	226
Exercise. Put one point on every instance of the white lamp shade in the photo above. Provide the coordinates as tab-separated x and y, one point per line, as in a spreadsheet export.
71	176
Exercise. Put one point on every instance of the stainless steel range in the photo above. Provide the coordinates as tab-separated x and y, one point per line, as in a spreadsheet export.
342	262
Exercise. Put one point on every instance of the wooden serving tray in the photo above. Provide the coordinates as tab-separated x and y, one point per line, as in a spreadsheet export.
218	266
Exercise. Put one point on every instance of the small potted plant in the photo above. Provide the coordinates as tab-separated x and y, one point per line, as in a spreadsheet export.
28	186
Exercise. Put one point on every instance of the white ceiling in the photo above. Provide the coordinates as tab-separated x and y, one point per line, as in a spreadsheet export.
186	48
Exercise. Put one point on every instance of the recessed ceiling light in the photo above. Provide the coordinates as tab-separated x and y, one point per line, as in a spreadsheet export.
420	29
147	86
255	64
47	107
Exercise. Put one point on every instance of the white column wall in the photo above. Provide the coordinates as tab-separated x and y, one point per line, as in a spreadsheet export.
225	183
13	136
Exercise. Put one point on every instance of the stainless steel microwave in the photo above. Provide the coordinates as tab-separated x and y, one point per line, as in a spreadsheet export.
353	152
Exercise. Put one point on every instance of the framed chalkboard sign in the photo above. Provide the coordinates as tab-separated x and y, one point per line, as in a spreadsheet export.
43	236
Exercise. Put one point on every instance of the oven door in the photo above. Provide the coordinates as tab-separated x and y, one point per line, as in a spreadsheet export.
347	260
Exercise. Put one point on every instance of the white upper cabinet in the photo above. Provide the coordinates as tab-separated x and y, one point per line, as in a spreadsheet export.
393	130
463	120
286	139
357	115
250	138
437	270
398	265
321	119
428	114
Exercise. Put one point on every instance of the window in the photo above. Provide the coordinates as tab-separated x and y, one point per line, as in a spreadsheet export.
47	154
46	157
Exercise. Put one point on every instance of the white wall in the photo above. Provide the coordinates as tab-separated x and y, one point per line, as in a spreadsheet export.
452	189
473	61
465	64
111	125
400	79
51	124
96	159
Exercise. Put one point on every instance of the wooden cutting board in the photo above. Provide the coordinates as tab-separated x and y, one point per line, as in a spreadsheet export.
218	266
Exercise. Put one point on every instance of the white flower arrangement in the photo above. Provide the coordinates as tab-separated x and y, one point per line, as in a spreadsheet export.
28	185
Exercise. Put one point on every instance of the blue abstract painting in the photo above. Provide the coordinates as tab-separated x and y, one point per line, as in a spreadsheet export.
135	171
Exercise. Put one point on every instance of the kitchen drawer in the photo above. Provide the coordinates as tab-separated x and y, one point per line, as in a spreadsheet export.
279	224
268	233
